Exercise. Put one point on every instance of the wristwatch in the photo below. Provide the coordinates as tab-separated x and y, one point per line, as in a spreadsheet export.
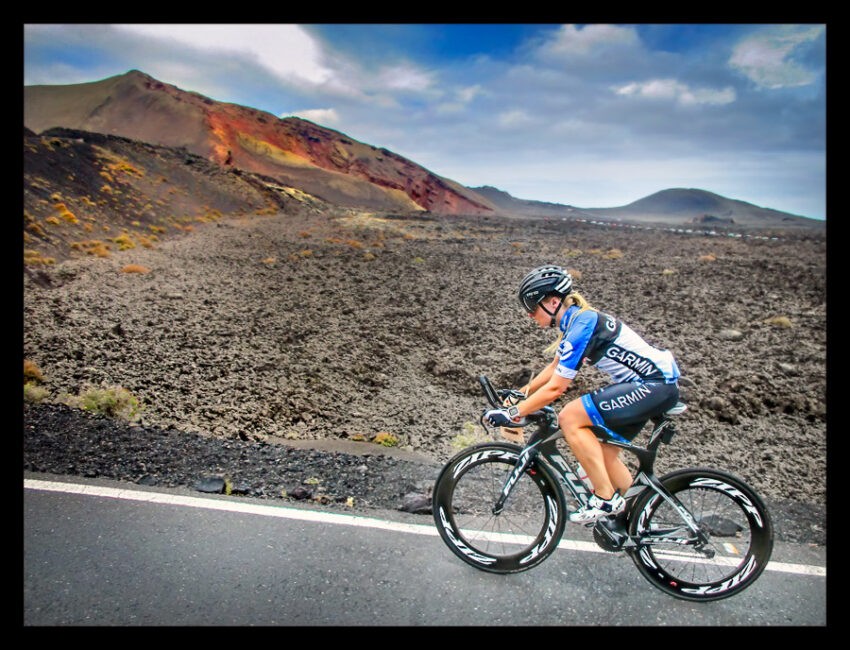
513	412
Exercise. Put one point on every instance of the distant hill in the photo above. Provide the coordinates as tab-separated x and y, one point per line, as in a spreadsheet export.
505	203
679	207
693	206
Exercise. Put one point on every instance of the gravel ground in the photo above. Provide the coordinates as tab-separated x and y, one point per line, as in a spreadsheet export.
258	343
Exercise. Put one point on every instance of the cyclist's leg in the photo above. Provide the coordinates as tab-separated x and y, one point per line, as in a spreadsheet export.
621	410
621	477
575	424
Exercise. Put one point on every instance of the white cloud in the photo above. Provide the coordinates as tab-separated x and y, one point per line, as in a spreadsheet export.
460	100
514	118
571	40
404	77
766	57
675	91
467	94
286	50
323	116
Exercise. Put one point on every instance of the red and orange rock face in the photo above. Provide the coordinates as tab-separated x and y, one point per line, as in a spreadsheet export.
292	150
265	144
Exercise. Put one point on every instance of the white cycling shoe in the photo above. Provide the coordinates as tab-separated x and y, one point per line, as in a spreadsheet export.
597	508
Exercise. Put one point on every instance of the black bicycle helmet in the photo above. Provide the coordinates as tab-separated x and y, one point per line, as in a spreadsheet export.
542	282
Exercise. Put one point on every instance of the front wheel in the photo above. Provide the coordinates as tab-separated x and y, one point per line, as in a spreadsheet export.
523	534
737	542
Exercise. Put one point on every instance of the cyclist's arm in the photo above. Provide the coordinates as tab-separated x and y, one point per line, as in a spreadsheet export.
554	387
540	379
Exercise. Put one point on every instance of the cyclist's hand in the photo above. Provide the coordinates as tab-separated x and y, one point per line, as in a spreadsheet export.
505	417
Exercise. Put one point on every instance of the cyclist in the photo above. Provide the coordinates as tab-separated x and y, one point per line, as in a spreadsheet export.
644	383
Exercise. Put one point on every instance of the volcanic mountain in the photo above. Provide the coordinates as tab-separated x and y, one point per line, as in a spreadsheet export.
326	164
298	153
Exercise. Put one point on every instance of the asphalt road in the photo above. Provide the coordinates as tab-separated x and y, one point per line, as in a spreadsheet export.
101	553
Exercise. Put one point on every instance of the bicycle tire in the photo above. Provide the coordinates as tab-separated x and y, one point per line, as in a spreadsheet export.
732	515
522	535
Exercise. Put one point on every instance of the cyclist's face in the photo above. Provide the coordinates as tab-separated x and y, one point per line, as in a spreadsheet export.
540	316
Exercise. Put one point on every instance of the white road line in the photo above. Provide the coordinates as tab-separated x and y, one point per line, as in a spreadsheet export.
313	515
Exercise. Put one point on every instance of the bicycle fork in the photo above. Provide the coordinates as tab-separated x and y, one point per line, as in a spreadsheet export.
526	457
547	432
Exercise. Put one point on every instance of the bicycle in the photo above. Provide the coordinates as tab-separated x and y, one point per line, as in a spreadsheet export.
698	534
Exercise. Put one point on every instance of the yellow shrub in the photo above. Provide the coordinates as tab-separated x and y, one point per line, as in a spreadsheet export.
386	439
135	268
32	372
779	321
112	401
34	258
34	393
36	230
92	247
124	242
69	216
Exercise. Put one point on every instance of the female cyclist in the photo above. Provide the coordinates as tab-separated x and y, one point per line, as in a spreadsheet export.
644	384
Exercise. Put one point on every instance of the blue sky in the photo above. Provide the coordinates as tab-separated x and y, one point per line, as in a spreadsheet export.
587	115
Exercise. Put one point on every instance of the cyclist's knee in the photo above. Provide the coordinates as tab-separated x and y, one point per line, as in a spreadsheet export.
572	419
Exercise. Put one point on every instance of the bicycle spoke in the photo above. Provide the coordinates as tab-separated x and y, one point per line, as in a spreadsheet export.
732	550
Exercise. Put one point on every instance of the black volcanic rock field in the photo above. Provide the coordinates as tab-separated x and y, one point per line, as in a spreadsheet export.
316	335
260	330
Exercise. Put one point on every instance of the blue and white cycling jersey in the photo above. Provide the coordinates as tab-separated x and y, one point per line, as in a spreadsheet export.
612	346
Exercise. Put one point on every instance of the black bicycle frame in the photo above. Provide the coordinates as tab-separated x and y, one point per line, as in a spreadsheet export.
541	447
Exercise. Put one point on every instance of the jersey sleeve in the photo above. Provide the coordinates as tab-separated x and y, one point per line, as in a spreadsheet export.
573	344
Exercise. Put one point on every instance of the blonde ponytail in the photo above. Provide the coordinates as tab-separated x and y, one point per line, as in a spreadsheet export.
575	298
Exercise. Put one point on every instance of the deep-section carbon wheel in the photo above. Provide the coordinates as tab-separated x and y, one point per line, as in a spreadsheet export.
731	515
519	537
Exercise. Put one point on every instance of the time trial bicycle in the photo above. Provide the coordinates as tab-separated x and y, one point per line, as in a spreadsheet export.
697	534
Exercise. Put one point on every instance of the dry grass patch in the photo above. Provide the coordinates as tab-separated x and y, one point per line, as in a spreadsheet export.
124	241
779	321
94	247
135	268
32	373
35	258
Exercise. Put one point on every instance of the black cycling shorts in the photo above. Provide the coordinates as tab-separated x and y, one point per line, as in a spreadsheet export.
622	410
